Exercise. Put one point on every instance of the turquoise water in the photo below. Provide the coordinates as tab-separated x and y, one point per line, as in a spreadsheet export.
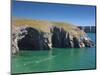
56	59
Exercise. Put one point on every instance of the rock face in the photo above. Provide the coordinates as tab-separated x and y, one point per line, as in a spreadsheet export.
17	34
87	42
76	42
61	38
88	29
28	38
34	40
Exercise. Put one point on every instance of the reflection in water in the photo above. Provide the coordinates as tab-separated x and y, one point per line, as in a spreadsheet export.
50	61
54	60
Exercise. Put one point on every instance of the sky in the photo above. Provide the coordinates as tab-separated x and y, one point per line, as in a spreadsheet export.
80	15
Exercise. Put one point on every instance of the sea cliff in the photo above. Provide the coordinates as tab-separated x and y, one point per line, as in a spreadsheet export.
44	35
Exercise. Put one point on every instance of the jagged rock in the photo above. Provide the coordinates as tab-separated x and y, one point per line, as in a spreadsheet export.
34	40
28	38
61	38
15	48
82	45
17	34
47	39
56	37
88	42
69	41
76	42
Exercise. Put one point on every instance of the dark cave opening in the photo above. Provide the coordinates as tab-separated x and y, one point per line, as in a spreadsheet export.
25	44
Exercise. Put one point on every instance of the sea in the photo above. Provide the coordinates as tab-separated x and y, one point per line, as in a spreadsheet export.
56	59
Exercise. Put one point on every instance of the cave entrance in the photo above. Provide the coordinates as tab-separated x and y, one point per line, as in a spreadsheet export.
26	44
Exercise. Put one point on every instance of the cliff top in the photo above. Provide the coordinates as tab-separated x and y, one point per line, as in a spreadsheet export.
45	26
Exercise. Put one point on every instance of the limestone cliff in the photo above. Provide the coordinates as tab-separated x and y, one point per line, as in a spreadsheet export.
43	35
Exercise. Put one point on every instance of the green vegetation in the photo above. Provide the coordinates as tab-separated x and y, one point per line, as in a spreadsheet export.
45	26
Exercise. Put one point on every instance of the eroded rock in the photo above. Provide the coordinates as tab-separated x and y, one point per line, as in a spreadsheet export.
34	40
28	38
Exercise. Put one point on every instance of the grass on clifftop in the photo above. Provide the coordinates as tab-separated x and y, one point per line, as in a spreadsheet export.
46	25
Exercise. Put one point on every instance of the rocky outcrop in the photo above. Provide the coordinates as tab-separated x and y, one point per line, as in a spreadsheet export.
28	38
87	42
88	29
34	40
63	39
76	42
17	34
69	41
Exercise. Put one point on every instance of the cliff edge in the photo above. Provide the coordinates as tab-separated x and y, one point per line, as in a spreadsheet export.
44	35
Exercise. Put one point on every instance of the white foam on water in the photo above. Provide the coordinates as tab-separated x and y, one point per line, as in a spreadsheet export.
42	60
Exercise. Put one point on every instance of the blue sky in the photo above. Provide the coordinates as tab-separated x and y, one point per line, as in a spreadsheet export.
74	14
